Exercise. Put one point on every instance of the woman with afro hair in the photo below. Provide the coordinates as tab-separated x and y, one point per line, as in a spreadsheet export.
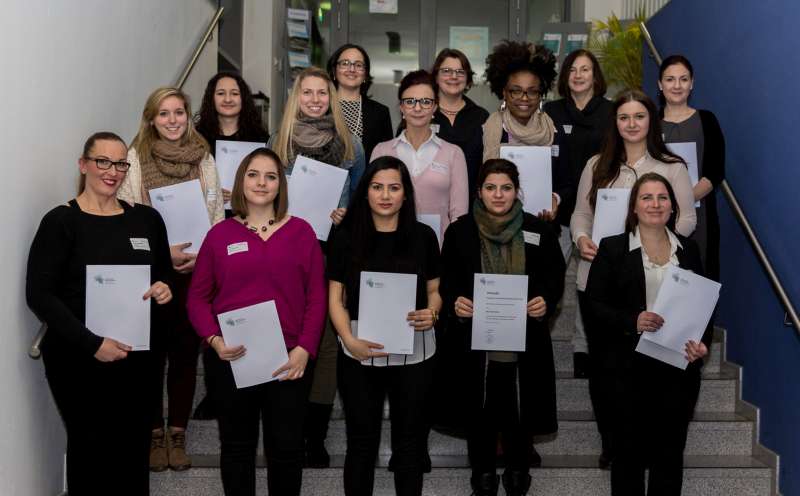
521	74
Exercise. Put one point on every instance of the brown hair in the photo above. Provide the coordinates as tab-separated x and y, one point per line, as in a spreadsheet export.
87	150
452	53
239	202
599	86
632	220
498	166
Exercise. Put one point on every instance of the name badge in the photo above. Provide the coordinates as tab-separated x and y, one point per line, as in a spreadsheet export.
237	247
435	128
440	168
140	244
554	150
532	238
568	128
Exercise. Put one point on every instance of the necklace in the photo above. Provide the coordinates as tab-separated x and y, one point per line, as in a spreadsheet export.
256	229
446	111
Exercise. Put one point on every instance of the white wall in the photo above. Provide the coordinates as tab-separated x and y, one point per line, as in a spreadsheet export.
69	69
601	9
257	47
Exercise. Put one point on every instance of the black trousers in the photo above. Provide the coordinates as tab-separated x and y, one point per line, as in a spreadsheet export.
601	379
280	407
655	404
178	344
363	389
500	414
105	410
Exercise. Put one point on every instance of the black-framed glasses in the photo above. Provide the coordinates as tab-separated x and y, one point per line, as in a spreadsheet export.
425	103
447	72
105	164
355	65
531	93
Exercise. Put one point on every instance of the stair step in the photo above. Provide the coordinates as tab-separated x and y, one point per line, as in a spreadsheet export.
709	434
722	476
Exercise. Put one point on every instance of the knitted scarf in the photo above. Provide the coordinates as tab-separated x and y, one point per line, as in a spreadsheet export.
502	242
172	164
315	137
537	132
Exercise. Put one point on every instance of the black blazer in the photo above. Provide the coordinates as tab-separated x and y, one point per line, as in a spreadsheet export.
544	265
616	295
377	125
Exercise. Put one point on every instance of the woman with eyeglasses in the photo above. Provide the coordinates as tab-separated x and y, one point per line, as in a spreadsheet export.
102	388
521	74
438	168
167	151
459	119
367	119
682	123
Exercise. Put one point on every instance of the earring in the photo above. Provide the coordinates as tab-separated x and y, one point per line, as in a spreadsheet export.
503	106
541	105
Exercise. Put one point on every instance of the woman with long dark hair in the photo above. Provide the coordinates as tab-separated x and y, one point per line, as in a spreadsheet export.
368	120
511	393
381	234
682	123
102	388
653	401
632	148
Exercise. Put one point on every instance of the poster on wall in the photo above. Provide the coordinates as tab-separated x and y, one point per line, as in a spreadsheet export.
576	42
383	6
552	41
472	40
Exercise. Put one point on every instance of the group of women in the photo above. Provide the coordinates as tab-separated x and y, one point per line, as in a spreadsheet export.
444	163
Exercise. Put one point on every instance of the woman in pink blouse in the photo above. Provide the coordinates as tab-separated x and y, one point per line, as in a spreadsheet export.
438	169
258	255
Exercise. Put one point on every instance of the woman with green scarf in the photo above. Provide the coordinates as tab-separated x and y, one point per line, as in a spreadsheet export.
512	393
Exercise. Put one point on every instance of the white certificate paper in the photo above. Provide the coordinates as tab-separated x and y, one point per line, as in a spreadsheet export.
686	301
688	152
228	157
435	223
114	305
499	312
383	304
535	175
610	211
183	208
314	192
258	329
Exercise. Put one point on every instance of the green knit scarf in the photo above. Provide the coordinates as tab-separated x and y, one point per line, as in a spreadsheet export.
502	242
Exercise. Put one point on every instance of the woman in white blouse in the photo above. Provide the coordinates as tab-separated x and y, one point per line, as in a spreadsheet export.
632	148
653	401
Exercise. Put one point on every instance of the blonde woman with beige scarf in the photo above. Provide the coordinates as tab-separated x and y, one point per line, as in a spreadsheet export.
166	151
521	74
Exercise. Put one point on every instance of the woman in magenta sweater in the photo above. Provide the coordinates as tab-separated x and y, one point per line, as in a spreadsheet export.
258	255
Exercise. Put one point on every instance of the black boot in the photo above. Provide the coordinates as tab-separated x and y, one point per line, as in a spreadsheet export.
516	482
316	430
535	458
485	484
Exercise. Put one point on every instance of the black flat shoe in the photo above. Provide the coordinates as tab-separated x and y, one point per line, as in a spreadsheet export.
485	484
580	365
516	482
605	460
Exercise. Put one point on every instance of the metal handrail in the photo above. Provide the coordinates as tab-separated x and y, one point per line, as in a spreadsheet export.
742	218
199	49
35	352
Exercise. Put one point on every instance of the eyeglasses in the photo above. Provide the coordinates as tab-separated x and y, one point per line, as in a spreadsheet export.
531	93
105	164
447	72
425	103
355	65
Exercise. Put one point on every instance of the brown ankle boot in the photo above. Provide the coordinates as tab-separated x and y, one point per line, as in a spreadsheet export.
176	449
158	451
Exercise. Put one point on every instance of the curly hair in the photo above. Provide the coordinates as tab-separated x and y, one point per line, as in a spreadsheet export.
207	121
511	57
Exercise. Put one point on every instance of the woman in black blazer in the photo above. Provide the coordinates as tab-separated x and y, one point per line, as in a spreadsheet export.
367	119
511	392
654	401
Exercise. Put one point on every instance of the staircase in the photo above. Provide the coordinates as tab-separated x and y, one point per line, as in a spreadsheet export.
723	457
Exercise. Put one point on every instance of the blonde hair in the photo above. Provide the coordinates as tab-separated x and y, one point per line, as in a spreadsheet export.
283	143
148	134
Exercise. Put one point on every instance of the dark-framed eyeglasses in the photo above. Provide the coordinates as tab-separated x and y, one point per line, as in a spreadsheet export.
105	164
425	103
447	72
355	65
531	93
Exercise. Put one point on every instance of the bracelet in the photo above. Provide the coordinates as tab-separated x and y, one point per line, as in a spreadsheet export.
435	318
